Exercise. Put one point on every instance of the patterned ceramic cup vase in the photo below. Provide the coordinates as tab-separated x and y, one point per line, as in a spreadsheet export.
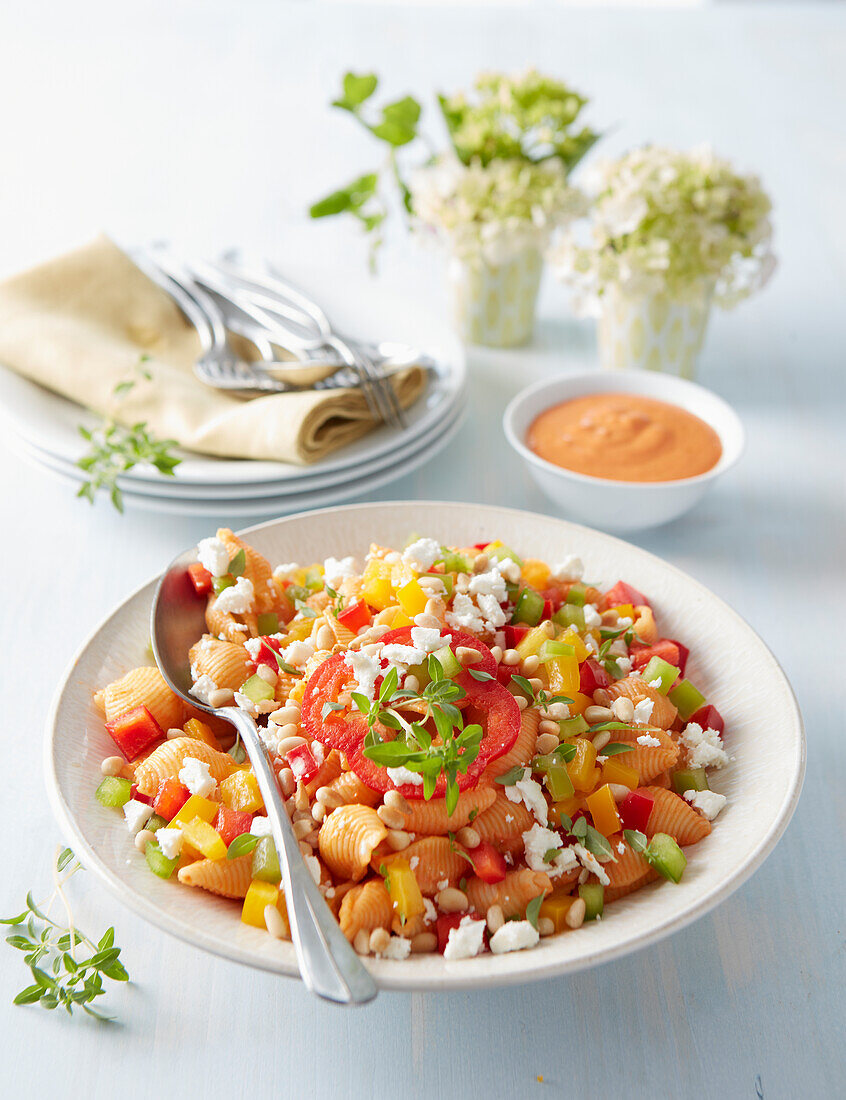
652	332
495	305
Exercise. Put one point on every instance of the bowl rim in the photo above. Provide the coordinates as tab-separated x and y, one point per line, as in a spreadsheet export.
396	976
629	382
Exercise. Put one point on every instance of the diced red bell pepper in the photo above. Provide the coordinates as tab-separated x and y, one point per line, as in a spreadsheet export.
302	763
709	718
480	545
514	635
201	578
622	593
135	794
665	649
504	674
231	823
490	864
445	924
592	676
134	731
267	654
635	809
355	616
170	798
547	610
684	653
556	594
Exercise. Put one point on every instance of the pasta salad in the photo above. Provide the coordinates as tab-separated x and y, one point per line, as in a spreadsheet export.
476	750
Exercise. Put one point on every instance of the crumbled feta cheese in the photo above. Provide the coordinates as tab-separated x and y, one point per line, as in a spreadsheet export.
261	826
465	941
537	841
214	556
509	569
282	571
489	584
530	793
648	740
570	569
464	615
592	616
443	884
137	815
643	712
422	555
253	647
396	654
705	746
170	841
203	687
709	803
601	760
397	948
428	639
401	775
623	622
625	665
335	571
298	653
621	848
591	644
491	612
365	670
656	683
589	861
313	864
430	913
515	935
237	599
245	703
194	774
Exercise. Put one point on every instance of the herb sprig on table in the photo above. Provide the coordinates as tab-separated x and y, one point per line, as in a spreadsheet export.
67	967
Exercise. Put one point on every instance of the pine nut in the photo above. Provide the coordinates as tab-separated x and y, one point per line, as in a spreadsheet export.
618	790
305	849
325	637
576	914
391	819
397	801
328	798
426	619
547	726
452	900
398	839
303	827
547	742
481	563
623	709
143	838
411	683
174	732
558	711
531	665
468	656
462	582
495	918
221	696
301	796
548	628
287	783
468	837
598	714
496	653
584	876
112	765
361	943
610	616
267	674
319	812
522	701
536	683
274	923
265	706
380	626
545	926
601	697
289	742
373	649
379	940
287	715
511	657
424	943
601	740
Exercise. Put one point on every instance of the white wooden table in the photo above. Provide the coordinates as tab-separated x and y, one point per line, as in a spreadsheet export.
146	120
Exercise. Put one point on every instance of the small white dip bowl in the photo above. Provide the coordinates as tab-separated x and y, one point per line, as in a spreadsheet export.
622	505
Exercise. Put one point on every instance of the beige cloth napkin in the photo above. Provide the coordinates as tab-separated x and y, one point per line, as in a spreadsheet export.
80	324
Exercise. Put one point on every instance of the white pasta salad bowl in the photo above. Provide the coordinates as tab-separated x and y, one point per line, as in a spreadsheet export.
764	739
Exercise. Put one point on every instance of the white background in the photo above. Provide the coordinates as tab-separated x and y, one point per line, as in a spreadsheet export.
207	123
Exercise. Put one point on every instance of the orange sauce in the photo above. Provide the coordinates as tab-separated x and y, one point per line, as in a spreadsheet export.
625	437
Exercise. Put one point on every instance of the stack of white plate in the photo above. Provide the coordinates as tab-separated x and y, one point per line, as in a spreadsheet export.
44	427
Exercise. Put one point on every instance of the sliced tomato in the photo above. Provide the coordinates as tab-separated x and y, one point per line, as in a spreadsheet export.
592	676
622	593
134	731
486	702
231	823
355	616
684	653
402	636
664	648
514	635
709	718
445	924
170	798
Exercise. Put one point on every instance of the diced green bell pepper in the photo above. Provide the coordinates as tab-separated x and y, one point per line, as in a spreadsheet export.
455	563
257	690
687	699
666	857
570	615
659	669
576	595
158	863
266	861
219	583
500	553
156	822
558	782
593	895
445	579
448	662
114	792
296	592
529	608
551	650
573	727
268	623
689	779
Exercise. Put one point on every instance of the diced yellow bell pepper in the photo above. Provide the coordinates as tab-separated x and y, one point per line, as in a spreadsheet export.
298	632
556	908
603	810
530	644
198	834
258	896
196	806
535	573
240	791
201	732
401	619
412	598
582	767
615	771
403	889
563	675
571	637
625	610
566	807
580	703
378	593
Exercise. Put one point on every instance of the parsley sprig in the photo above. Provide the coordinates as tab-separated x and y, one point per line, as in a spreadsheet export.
67	967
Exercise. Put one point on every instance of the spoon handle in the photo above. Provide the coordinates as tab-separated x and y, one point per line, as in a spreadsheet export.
328	964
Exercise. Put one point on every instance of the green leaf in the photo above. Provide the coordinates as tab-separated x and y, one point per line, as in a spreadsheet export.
389	753
65	857
238	752
116	971
106	940
20	943
614	748
600	726
123	387
349	198
452	794
238	563
357	89
389	684
29	996
480	674
241	845
532	910
328	707
511	776
524	686
566	751
579	829
19	919
636	840
597	844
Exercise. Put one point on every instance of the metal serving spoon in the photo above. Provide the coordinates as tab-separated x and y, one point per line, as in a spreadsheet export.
328	964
